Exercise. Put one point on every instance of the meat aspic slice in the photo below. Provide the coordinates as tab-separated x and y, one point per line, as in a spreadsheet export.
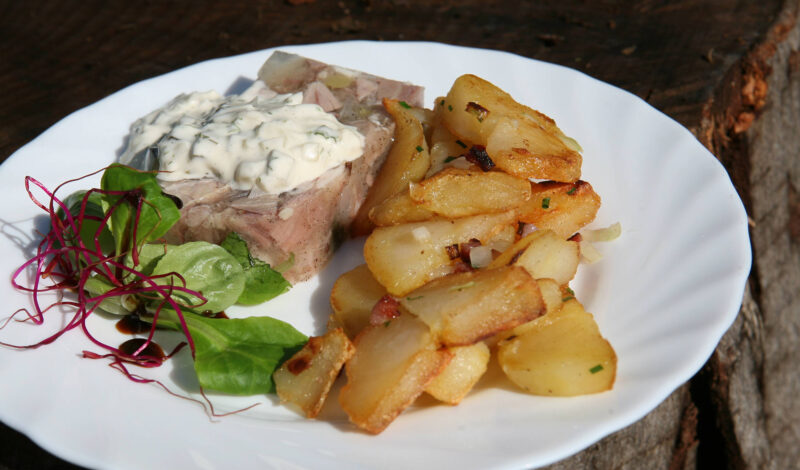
307	222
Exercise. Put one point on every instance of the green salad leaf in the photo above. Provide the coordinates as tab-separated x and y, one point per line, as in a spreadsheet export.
238	356
87	226
158	212
206	268
262	283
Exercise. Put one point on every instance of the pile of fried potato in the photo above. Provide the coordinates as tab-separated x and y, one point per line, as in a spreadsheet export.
465	256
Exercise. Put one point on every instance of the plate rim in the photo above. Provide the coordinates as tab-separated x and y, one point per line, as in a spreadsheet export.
622	419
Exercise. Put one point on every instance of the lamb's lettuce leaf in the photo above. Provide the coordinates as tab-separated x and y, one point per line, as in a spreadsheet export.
262	283
238	356
205	268
158	211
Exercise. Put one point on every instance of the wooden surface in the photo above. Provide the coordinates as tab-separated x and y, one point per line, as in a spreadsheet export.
728	70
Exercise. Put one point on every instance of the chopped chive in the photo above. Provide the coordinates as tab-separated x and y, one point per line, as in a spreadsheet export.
449	159
546	203
570	291
572	191
441	103
462	144
596	369
449	107
386	323
405	105
462	286
414	298
419	149
564	299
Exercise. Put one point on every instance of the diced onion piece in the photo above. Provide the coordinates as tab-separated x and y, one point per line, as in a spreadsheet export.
612	232
589	253
480	256
500	245
421	234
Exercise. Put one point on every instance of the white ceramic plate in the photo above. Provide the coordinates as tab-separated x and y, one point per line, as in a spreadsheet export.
664	294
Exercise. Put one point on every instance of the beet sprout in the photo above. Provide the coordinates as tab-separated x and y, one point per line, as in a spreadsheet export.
63	264
67	263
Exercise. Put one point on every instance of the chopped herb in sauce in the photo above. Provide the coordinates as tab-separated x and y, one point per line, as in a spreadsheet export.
405	105
462	144
415	298
419	149
449	159
572	191
596	369
546	203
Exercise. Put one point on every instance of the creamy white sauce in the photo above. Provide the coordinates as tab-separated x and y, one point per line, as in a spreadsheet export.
256	139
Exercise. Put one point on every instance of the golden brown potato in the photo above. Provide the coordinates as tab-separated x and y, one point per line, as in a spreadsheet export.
461	373
564	208
530	153
544	255
352	298
455	192
306	378
445	148
407	162
399	209
520	140
392	366
404	257
552	296
464	308
563	354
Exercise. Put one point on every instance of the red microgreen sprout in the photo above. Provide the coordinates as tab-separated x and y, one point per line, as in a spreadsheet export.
64	262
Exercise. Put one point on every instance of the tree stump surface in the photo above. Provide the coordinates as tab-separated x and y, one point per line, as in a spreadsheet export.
727	70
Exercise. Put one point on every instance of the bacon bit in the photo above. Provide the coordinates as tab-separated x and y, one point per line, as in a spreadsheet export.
384	310
576	238
452	251
479	111
465	248
461	266
477	155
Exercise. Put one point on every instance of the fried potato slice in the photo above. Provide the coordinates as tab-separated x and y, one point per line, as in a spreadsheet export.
392	366
564	208
455	192
464	308
468	365
553	296
399	209
353	296
404	257
544	255
520	149
407	162
563	354
520	140
445	148
306	378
